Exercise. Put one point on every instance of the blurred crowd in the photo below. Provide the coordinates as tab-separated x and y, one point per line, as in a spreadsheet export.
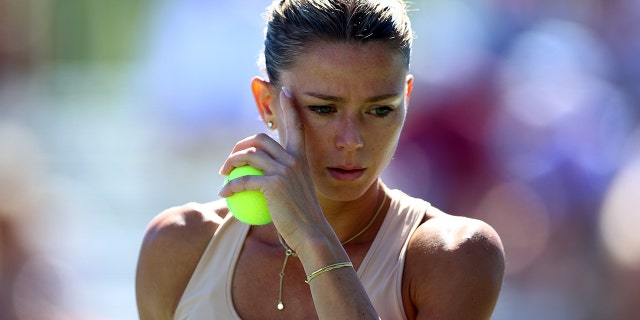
538	135
525	114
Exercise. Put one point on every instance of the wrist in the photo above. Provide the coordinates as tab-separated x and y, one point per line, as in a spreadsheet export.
316	253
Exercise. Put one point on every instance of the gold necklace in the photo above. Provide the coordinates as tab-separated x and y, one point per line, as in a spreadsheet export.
289	252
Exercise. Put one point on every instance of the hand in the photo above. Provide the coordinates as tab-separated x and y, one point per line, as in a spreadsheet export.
286	184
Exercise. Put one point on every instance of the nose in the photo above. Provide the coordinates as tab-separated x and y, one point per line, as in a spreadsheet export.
349	137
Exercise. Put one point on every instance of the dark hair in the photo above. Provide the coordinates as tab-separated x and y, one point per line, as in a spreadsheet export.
293	24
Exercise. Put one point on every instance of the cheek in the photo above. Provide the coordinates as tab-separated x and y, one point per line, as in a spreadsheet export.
387	138
385	143
317	140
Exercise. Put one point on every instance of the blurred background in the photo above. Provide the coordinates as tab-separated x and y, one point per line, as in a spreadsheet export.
524	114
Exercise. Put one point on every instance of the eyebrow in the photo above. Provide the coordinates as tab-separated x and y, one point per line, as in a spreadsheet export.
340	100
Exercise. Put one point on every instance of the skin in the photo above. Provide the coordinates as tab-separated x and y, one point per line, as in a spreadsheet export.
339	121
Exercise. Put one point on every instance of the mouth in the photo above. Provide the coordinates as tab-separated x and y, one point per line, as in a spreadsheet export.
346	174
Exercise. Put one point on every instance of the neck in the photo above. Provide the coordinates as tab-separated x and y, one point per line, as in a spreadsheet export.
347	218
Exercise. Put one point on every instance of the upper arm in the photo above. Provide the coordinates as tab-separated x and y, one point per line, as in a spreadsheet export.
171	248
454	269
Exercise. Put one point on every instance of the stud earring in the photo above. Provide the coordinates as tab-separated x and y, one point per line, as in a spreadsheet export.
270	124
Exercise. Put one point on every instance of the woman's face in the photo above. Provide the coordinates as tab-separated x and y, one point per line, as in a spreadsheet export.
352	100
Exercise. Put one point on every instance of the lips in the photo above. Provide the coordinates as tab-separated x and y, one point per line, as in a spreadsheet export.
346	173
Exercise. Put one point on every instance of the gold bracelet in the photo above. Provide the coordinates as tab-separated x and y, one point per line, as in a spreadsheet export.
328	268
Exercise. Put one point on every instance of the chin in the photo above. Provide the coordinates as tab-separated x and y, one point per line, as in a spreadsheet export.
345	192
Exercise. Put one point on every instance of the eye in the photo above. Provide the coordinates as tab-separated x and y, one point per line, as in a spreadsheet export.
382	111
322	110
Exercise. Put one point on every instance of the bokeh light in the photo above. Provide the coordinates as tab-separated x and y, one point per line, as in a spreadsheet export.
620	217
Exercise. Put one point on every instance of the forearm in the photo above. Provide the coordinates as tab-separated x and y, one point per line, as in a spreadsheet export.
337	293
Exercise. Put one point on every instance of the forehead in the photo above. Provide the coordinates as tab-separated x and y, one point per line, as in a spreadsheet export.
332	66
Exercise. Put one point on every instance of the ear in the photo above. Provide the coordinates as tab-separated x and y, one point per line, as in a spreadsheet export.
409	88
263	93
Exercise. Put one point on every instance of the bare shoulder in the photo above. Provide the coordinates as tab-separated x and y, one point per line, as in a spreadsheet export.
171	248
454	268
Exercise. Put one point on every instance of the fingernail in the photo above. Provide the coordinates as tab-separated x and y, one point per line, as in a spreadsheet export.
286	92
220	190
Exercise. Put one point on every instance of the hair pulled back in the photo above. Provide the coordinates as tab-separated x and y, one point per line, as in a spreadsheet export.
292	25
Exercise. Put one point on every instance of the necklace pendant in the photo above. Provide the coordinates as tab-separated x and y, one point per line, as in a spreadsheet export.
280	306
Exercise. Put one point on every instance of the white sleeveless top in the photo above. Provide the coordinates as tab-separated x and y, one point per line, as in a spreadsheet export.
208	293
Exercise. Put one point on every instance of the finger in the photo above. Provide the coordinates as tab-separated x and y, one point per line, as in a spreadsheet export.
294	128
250	156
255	150
240	184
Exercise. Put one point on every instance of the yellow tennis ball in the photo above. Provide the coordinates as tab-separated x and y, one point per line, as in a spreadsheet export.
249	206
